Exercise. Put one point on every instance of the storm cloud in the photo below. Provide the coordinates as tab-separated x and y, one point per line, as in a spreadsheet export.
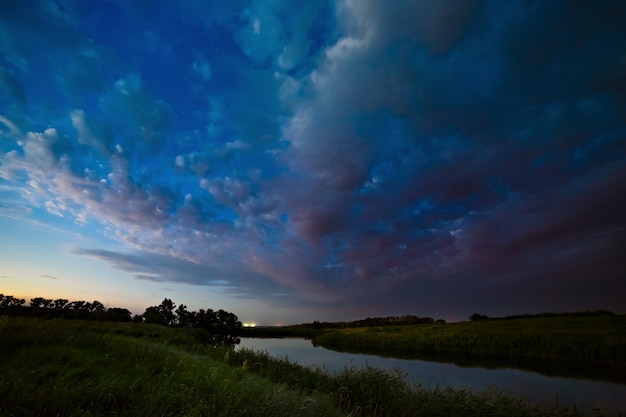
365	157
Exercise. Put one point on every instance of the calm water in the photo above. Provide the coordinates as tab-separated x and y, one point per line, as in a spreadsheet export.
536	388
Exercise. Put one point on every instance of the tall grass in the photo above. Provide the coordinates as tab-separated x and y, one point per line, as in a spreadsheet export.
595	344
74	368
62	368
371	391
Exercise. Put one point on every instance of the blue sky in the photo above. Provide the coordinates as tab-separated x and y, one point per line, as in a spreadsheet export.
318	160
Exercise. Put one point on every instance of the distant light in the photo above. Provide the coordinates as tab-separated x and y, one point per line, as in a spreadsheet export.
249	325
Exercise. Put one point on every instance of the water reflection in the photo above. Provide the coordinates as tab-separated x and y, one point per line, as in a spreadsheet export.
539	389
556	368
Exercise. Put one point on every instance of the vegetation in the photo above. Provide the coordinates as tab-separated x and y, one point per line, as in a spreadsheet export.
91	368
173	362
81	368
589	345
374	392
221	325
476	316
310	330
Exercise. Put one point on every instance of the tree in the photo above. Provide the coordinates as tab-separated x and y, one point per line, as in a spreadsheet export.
225	326
76	305
153	315
118	314
76	310
40	302
221	326
167	309
476	317
96	307
182	316
10	301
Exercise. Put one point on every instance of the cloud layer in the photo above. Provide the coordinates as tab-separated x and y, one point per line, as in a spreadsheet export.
364	157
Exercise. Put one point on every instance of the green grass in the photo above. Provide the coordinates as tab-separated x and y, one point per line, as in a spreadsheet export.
72	368
594	345
79	368
371	391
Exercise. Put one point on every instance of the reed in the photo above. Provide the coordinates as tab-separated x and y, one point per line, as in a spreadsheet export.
73	368
596	343
78	368
371	391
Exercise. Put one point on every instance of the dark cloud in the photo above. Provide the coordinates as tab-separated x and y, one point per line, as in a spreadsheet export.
227	279
445	155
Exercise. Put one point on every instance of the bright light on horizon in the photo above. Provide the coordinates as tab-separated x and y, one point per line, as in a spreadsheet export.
249	324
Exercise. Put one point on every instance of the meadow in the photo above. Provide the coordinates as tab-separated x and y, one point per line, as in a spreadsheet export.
64	367
588	345
592	346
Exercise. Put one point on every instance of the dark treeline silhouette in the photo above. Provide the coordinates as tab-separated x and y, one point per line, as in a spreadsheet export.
61	308
372	322
477	317
220	326
311	330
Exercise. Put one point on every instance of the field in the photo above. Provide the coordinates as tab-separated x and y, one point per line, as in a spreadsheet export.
587	344
79	368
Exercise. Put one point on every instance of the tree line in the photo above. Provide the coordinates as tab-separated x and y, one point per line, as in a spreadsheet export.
220	325
62	308
374	322
478	317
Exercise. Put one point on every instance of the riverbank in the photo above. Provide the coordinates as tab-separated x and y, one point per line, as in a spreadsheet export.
79	368
71	368
573	345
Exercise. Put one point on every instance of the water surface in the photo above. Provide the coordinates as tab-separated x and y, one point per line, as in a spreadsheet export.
532	387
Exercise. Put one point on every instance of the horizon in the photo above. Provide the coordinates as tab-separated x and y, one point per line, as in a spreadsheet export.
28	303
327	160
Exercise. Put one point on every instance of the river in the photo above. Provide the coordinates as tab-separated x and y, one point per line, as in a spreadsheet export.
529	386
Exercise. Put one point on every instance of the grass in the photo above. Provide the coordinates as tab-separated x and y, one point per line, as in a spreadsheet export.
371	391
72	368
78	368
594	345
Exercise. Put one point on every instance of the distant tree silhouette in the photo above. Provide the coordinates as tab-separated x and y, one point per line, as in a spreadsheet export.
96	307
118	314
153	315
167	309
40	302
183	317
369	322
10	304
476	317
76	305
221	326
161	314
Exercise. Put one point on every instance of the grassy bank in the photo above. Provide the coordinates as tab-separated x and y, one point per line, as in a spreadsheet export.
594	344
77	368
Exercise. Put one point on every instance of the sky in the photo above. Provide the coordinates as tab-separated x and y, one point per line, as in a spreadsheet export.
315	160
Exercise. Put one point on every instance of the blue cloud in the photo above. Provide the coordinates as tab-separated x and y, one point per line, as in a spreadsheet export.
336	150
